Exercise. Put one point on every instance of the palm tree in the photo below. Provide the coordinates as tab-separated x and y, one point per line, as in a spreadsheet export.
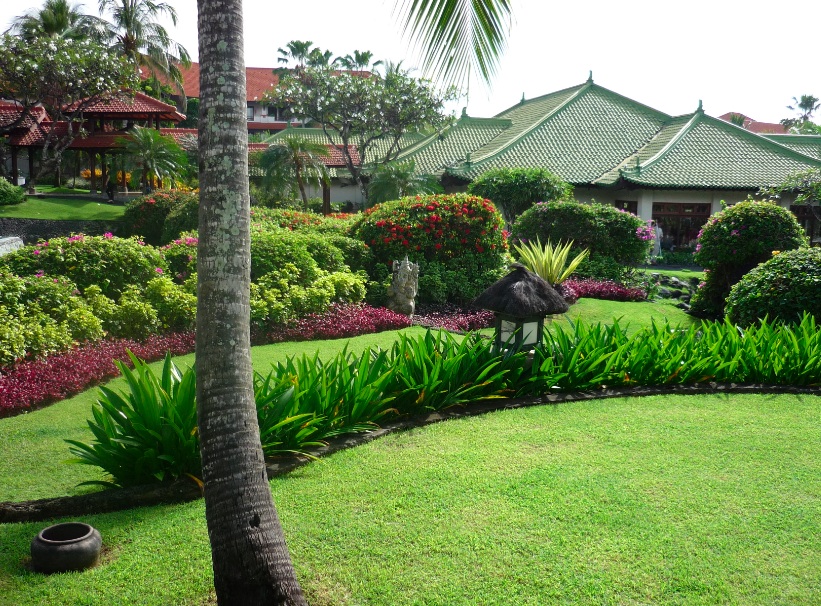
250	558
399	179
157	155
137	35
360	60
298	51
455	37
58	19
293	162
806	107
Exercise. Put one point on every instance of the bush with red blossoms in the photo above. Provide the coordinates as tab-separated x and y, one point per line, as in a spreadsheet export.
340	321
34	383
572	290
453	317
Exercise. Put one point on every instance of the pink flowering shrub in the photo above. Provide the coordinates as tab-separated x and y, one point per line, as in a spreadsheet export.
572	290
35	383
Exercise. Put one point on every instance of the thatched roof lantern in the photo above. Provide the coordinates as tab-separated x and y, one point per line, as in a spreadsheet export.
521	300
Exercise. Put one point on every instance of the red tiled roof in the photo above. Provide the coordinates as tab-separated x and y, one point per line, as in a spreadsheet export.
10	111
141	106
257	81
769	128
335	158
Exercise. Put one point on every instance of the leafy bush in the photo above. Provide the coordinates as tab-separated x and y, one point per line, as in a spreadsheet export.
355	253
457	240
604	230
176	309
11	194
181	256
145	216
272	250
183	217
108	262
148	434
574	289
785	287
734	241
34	383
514	190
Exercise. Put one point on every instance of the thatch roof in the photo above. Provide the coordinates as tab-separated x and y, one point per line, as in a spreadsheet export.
522	294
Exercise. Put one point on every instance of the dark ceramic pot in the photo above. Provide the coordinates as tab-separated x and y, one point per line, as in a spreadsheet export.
64	547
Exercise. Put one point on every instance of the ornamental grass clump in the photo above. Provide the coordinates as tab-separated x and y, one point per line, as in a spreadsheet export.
549	262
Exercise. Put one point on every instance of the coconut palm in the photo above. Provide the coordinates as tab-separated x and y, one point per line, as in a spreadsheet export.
399	179
455	37
297	51
360	60
806	106
58	19
137	36
157	156
250	558
291	163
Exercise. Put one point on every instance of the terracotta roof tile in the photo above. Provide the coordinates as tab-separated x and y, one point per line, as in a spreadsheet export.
257	81
755	126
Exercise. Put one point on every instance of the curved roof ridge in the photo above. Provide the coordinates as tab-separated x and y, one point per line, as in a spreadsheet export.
536	124
695	119
542	97
772	143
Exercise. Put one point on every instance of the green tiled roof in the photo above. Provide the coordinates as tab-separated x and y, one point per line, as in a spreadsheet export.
809	145
579	134
437	152
377	150
710	153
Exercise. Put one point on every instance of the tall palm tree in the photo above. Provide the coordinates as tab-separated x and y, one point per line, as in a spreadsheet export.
137	35
806	106
157	155
298	51
293	162
58	19
250	558
360	60
399	179
456	37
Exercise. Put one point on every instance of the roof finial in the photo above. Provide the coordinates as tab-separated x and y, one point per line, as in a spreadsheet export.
522	102
465	111
467	158
638	165
700	107
590	77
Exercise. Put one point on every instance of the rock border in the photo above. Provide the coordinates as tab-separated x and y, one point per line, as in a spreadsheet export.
179	491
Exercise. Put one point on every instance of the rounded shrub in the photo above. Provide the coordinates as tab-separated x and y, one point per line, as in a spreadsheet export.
456	233
734	241
176	309
605	231
145	216
11	194
784	288
183	217
273	249
181	256
514	190
109	262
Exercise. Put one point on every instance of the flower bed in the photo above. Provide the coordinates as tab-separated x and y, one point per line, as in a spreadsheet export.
340	321
453	317
572	290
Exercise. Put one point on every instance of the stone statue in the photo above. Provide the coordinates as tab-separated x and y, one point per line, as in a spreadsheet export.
404	284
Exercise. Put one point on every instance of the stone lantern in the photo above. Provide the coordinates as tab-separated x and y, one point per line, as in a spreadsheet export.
521	301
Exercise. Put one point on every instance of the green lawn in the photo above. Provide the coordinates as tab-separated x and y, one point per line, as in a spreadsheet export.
63	209
684	500
683	274
634	315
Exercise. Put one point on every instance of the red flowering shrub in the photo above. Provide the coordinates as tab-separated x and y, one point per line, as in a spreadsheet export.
572	290
340	321
34	383
457	239
295	220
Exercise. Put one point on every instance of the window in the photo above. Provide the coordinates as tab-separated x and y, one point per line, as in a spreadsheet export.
250	113
680	222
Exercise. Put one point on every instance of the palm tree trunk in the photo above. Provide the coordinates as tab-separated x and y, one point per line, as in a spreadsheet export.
250	559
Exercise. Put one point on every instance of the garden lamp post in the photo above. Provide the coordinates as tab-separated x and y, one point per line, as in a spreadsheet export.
520	301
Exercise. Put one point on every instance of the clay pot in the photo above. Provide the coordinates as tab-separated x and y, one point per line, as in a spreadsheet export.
64	547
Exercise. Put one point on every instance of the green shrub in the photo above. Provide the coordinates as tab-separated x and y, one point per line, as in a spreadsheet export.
783	288
514	190
23	333
176	309
145	216
604	230
133	317
734	241
110	263
356	254
602	267
11	194
147	434
345	286
183	217
323	251
273	249
458	234
181	256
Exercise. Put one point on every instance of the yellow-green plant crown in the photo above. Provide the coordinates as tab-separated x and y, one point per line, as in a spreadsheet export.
549	262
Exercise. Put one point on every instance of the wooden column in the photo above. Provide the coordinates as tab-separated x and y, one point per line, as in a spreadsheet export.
14	168
104	176
92	161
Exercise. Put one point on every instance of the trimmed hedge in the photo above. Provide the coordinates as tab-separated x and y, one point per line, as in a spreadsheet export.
783	288
11	194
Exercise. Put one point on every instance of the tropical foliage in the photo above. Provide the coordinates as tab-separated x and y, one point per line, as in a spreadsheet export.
396	180
157	156
291	163
549	262
514	190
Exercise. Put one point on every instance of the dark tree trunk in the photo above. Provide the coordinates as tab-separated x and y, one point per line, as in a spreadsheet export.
251	561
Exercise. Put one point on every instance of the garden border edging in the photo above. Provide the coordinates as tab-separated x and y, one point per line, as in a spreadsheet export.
183	490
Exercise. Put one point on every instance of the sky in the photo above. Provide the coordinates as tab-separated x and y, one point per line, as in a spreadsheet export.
750	56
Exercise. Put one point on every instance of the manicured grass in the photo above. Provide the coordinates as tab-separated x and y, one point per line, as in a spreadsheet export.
65	189
661	500
682	274
35	441
634	315
63	209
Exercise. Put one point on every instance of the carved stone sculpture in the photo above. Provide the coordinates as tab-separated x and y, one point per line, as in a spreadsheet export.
404	284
